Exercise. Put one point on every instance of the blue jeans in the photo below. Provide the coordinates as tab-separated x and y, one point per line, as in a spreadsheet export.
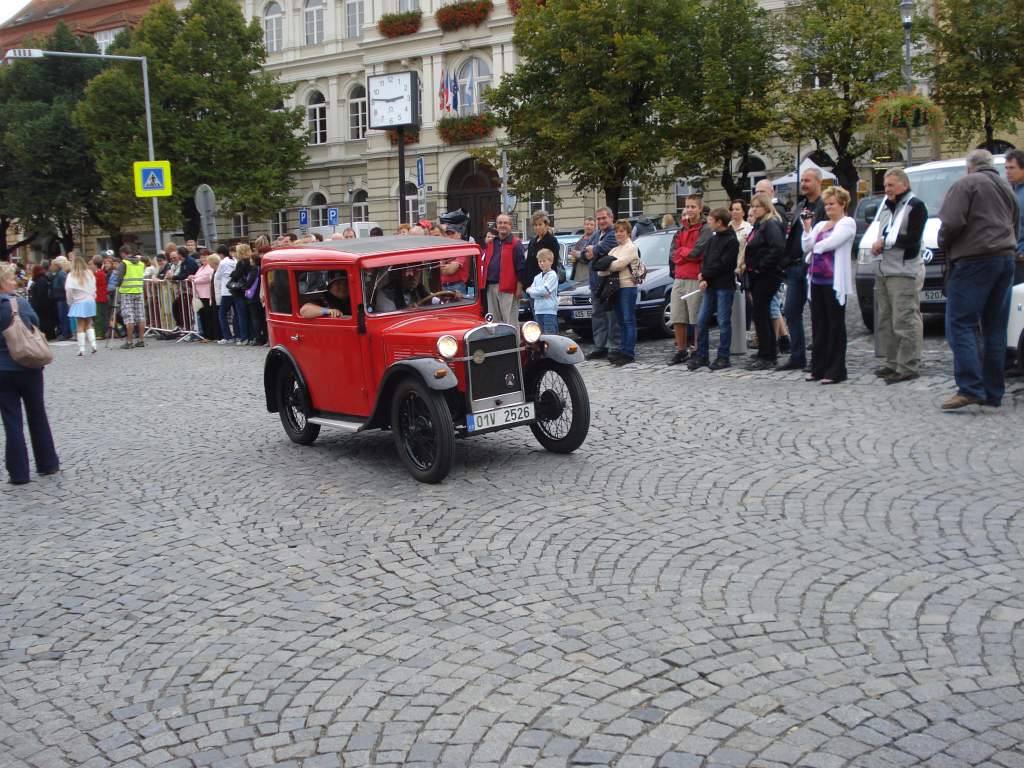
719	301
222	314
241	316
63	322
796	298
547	323
625	313
17	387
978	292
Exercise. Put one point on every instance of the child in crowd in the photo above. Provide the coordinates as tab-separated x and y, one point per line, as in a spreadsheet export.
544	292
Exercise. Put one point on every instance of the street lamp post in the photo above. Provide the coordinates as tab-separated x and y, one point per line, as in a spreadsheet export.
907	15
38	53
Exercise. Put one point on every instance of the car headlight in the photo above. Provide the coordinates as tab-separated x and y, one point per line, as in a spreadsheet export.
447	347
565	301
531	331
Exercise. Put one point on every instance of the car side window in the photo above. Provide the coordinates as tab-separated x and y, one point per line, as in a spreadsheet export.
279	291
324	289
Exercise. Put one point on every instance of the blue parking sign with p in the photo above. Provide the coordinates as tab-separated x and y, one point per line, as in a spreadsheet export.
332	217
303	217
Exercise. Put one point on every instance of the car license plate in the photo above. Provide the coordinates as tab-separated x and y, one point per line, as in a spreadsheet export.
500	417
582	314
932	296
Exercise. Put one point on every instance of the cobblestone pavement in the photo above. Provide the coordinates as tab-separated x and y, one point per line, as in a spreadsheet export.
735	570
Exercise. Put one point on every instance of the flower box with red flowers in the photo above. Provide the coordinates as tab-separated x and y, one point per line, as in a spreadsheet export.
468	13
461	129
399	24
412	136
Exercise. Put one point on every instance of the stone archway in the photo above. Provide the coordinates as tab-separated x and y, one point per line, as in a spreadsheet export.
474	186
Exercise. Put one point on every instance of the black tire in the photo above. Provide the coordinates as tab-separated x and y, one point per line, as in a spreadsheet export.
664	326
292	407
563	407
423	429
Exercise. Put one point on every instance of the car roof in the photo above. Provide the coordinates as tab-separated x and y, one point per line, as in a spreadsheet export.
364	249
957	162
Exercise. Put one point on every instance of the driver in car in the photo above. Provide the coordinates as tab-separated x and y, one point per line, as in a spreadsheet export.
335	303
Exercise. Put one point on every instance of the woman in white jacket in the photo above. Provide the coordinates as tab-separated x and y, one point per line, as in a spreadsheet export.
828	249
80	290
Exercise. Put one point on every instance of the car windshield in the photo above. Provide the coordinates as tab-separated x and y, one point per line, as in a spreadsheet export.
930	185
655	250
422	284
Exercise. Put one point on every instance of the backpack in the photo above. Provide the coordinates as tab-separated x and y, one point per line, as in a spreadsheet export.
26	343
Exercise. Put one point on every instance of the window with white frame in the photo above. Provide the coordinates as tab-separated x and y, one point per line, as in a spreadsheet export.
360	206
543	200
317	210
474	78
313	16
408	5
410	197
357	113
273	27
240	225
631	201
279	224
354	19
105	37
316	118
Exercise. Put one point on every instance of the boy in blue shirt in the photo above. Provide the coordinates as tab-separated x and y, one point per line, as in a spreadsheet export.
544	292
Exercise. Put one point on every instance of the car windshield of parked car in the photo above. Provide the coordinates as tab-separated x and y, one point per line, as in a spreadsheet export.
655	250
930	185
423	284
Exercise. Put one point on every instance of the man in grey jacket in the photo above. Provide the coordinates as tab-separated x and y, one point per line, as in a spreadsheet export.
980	216
899	275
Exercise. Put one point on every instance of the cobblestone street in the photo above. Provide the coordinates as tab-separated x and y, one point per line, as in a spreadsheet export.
737	569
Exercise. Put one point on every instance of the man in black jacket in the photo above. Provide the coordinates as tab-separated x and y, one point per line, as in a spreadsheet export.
605	326
809	205
717	280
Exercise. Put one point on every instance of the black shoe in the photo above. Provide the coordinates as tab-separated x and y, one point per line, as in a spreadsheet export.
622	360
698	362
53	471
761	364
614	356
720	363
678	357
789	365
597	354
884	371
898	378
784	344
12	481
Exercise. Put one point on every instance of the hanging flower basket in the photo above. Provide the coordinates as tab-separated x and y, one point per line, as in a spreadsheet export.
412	136
903	112
399	24
461	129
468	13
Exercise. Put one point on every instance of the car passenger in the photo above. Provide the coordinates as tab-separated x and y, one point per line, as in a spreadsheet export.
335	303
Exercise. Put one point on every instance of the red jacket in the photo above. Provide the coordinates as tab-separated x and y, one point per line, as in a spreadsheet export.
687	257
512	264
101	287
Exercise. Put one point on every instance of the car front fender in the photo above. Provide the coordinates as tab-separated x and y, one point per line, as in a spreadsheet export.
560	349
277	357
421	367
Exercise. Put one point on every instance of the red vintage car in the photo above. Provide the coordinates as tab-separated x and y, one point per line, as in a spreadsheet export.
391	333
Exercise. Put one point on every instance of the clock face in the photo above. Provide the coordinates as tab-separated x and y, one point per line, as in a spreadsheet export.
393	99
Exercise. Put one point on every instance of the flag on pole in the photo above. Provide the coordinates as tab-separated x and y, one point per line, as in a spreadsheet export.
469	89
442	93
455	93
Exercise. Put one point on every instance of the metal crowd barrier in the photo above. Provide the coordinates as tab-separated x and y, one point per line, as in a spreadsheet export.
171	308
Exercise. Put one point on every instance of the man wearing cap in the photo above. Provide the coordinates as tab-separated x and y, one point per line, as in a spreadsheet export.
335	303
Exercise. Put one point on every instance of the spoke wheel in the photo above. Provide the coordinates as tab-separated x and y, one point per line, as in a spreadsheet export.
424	434
292	405
563	407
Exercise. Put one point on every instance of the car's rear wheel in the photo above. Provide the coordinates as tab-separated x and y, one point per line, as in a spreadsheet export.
665	326
293	407
424	433
563	407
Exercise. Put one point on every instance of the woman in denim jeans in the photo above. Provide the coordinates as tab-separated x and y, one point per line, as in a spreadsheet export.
243	269
625	255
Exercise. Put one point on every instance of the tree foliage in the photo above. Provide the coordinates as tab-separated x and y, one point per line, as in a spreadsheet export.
597	93
218	117
976	65
840	56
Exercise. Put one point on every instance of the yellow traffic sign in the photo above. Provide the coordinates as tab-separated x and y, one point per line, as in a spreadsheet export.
152	178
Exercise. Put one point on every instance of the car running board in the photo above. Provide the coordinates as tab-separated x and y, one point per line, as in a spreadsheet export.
352	425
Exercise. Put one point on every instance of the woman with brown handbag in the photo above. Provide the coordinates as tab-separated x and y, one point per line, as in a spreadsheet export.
21	384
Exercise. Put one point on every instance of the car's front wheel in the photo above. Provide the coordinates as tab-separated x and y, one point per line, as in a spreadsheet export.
423	429
665	329
292	406
563	407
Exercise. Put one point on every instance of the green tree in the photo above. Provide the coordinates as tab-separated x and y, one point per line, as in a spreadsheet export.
52	175
841	56
738	77
218	117
976	65
597	93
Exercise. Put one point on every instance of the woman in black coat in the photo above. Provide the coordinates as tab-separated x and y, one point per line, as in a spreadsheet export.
766	245
39	299
237	283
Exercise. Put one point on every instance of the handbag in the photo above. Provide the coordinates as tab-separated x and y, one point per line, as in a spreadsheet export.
26	343
254	287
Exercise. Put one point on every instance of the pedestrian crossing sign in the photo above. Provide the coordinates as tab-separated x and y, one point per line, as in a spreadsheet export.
152	178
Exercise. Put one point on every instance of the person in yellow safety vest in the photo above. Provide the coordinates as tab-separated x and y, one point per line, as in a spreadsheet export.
129	295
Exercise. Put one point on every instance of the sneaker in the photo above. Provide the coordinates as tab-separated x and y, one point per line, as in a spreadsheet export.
959	401
614	356
884	371
622	360
784	345
140	343
126	345
720	363
898	378
678	357
224	341
761	364
597	354
697	362
239	343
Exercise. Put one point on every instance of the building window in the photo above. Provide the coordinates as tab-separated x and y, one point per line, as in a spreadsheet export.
408	5
360	206
105	37
357	113
631	203
240	225
474	78
314	21
684	187
273	27
354	19
317	210
411	200
316	118
543	200
279	224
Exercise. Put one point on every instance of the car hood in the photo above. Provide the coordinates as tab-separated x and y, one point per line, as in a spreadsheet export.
930	238
430	326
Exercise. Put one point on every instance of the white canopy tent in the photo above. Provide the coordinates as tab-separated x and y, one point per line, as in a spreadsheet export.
793	178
